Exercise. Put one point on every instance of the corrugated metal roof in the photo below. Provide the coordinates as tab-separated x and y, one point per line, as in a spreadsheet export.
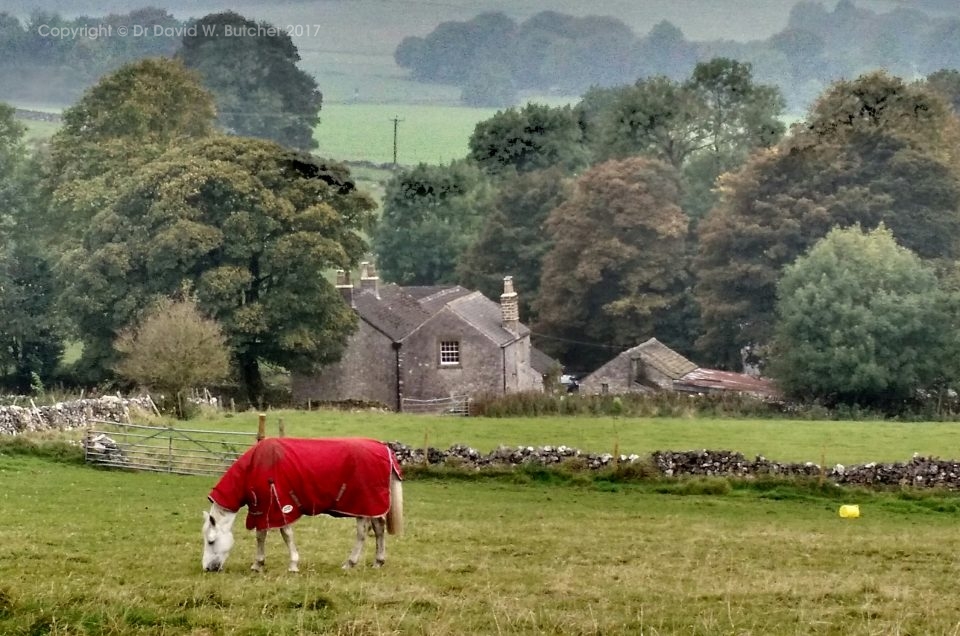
715	380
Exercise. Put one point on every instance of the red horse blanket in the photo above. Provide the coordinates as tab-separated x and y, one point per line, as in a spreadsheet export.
280	478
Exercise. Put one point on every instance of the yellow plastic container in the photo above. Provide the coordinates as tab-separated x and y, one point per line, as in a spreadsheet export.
850	511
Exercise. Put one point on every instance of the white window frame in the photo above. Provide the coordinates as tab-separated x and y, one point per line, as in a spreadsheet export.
449	353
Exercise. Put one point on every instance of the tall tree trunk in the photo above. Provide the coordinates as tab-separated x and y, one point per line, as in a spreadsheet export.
252	380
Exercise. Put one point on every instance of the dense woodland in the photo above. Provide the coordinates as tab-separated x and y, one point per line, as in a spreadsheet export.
682	208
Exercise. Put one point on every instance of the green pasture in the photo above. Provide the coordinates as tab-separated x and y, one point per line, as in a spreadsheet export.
88	551
426	133
844	442
821	442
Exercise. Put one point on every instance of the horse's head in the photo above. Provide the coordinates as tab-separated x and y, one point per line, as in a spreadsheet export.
217	538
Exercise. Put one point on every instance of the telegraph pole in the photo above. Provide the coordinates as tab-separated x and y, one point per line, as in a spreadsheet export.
396	121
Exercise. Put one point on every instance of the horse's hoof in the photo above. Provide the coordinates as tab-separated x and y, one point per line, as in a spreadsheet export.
293	568
379	564
348	566
257	567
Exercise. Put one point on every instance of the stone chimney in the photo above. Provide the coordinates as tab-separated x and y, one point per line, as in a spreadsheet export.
344	286
369	278
509	307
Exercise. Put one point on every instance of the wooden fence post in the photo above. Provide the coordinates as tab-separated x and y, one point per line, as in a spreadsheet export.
262	426
283	430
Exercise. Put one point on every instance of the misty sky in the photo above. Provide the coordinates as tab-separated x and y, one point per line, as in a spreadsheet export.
699	19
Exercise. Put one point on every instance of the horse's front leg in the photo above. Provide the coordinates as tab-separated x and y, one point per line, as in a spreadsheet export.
287	533
379	526
261	556
358	546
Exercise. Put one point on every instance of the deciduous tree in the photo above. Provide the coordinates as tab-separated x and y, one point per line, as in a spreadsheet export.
251	69
872	151
861	320
514	240
616	269
173	348
530	138
31	331
128	119
251	226
431	215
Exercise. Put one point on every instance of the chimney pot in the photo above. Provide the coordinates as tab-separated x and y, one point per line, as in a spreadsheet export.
509	306
369	278
344	286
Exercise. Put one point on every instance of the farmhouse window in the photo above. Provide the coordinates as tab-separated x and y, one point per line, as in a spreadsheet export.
449	352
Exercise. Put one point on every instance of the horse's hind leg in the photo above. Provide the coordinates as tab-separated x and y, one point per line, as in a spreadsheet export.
287	533
362	528
379	526
261	551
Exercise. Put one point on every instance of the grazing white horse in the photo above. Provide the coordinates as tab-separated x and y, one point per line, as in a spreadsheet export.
281	479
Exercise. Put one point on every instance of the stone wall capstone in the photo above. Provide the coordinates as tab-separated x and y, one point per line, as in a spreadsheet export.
68	415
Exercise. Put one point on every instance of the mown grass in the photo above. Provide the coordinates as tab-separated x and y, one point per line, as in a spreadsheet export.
85	551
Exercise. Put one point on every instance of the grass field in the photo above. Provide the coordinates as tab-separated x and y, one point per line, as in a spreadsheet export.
426	133
825	442
85	551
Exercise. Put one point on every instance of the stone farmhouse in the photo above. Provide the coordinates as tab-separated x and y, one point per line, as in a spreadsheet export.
653	366
417	344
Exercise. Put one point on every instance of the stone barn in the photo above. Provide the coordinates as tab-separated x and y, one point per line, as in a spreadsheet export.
428	343
653	366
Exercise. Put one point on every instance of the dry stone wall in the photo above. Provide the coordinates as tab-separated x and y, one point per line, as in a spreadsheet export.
67	415
918	472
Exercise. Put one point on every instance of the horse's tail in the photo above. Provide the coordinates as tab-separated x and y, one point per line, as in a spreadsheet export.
395	514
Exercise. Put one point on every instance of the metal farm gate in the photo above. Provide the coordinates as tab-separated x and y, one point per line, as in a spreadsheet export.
164	448
453	405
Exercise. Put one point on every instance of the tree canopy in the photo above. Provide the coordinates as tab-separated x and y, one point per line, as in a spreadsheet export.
513	240
31	331
529	138
431	215
859	158
251	226
617	265
259	90
129	118
862	320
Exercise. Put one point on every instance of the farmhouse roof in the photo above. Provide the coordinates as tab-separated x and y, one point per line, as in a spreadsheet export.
661	357
542	363
398	311
434	297
391	310
484	314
